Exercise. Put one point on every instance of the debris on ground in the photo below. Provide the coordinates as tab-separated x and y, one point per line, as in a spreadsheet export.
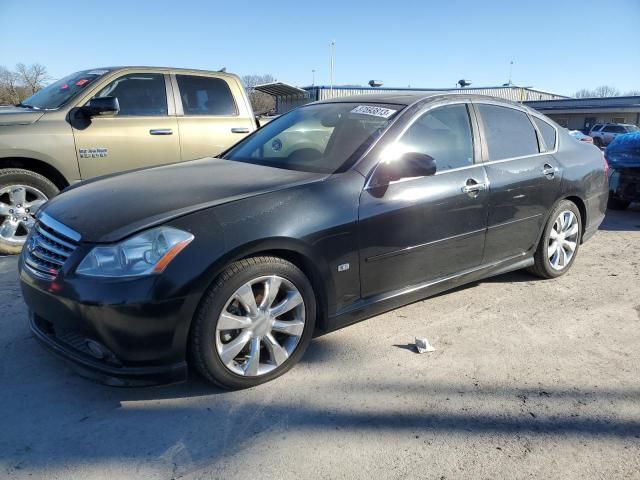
423	345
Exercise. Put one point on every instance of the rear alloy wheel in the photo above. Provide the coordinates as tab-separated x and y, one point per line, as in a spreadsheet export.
22	193
254	324
560	242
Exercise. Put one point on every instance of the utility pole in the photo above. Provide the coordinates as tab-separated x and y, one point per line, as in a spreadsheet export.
332	46
510	72
313	77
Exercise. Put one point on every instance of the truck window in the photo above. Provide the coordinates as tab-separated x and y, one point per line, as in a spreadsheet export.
139	94
206	96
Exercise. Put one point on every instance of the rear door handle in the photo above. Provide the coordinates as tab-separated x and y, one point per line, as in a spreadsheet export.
161	131
548	171
240	130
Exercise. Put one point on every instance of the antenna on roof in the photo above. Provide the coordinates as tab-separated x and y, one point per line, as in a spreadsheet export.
223	69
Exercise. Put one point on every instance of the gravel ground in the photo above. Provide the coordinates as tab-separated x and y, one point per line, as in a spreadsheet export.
530	379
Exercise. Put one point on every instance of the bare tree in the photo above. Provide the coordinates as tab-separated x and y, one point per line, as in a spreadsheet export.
260	102
584	93
606	91
33	77
21	83
9	90
632	92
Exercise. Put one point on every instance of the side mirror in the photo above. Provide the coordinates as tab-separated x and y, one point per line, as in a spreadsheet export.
101	106
408	165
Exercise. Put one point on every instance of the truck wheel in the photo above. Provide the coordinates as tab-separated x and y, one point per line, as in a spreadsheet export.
560	242
254	323
22	193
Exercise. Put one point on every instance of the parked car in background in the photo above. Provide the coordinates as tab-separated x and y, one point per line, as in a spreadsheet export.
578	135
623	156
327	215
109	120
604	133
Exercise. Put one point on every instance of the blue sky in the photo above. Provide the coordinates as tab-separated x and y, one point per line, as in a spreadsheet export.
559	45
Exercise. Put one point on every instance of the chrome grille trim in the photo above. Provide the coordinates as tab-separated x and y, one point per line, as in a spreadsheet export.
48	247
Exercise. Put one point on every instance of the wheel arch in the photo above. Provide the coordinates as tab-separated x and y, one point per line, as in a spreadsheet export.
292	250
37	166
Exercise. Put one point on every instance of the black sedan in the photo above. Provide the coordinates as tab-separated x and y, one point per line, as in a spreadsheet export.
332	213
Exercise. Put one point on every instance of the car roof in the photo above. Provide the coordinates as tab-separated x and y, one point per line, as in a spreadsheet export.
409	98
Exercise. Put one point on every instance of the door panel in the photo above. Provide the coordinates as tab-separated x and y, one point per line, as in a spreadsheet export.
142	134
523	183
520	197
420	230
209	117
204	136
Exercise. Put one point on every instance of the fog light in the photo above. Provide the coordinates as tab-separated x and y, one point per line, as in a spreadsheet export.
96	350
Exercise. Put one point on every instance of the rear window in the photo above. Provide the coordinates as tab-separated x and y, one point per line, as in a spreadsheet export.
508	132
548	133
205	96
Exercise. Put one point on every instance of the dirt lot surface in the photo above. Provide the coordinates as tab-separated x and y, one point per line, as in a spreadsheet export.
531	379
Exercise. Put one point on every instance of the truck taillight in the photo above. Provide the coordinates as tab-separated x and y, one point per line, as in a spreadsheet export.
606	164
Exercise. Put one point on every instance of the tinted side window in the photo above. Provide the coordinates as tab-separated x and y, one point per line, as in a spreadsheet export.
548	133
596	128
205	96
139	94
443	133
508	132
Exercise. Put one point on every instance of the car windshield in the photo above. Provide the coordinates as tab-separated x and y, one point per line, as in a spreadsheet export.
323	138
632	128
58	93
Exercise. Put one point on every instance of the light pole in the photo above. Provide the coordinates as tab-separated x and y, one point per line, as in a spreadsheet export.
313	77
332	46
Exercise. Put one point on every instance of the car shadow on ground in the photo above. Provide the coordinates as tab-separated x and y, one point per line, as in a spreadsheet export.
622	220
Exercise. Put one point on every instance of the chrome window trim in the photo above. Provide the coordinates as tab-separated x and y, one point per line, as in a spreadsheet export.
529	114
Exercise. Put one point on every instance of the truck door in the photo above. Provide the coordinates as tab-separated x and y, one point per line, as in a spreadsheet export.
142	134
209	117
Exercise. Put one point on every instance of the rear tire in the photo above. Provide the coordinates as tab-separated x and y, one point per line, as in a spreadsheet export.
22	193
617	204
560	242
269	343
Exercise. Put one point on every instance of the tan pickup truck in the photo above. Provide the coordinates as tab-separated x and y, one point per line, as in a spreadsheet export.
109	120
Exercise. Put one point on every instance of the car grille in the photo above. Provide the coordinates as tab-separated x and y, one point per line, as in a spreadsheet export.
48	247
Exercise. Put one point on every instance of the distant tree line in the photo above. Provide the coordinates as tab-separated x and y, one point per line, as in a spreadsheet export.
260	101
603	91
21	82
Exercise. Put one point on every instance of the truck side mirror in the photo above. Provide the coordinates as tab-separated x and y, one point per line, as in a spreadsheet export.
102	106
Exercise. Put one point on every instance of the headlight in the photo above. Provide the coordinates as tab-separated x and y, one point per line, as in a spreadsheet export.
147	253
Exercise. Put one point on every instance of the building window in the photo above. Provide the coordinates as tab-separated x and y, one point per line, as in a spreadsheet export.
617	120
563	122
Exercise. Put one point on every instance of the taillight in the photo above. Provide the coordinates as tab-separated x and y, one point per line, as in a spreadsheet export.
606	164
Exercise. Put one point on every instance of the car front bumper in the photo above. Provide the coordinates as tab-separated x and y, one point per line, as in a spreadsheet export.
112	332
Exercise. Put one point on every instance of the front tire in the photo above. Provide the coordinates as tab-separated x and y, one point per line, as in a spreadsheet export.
22	193
560	242
254	323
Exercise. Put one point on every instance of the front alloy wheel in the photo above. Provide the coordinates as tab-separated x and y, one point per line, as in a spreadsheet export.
260	326
22	193
254	323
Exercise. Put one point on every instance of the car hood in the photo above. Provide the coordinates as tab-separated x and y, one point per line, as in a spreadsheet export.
18	116
108	209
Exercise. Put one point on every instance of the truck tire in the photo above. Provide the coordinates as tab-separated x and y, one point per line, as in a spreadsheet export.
22	193
617	204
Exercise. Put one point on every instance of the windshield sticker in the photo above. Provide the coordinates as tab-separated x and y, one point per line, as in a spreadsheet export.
375	111
82	82
97	72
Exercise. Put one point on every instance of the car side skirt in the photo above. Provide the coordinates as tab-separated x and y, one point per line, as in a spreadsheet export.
375	305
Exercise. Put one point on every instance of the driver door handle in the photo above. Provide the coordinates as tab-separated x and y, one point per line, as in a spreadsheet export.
161	131
473	187
240	130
